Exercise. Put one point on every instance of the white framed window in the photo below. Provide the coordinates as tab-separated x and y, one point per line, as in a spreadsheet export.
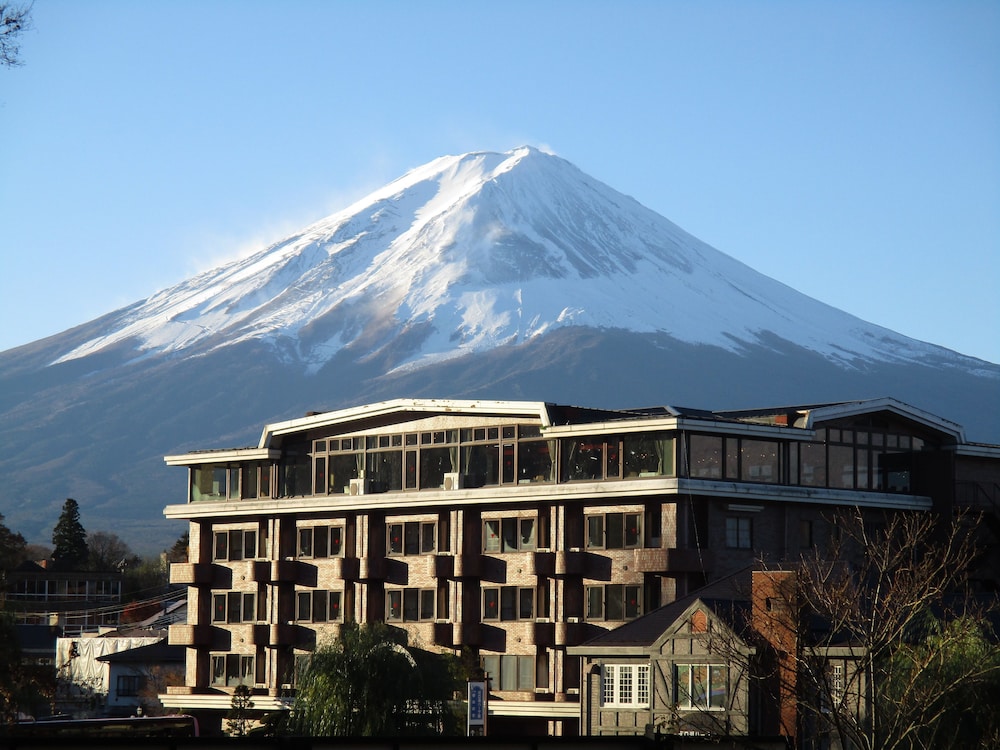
411	538
613	601
625	685
236	544
236	607
410	605
320	541
319	606
702	687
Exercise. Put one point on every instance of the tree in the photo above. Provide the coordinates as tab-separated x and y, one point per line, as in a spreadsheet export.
12	546
179	551
24	687
14	19
897	617
238	719
69	538
367	683
108	553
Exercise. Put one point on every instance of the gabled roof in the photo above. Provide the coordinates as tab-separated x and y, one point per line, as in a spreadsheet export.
728	599
808	416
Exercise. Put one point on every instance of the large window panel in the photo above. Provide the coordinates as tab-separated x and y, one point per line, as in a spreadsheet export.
534	461
582	459
705	456
759	461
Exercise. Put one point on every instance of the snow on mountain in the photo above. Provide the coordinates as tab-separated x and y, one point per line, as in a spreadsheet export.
471	252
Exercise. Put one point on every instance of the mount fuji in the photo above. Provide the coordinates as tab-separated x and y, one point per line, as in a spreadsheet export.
499	275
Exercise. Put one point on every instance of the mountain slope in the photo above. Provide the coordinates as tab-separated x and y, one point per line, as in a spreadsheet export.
468	253
485	275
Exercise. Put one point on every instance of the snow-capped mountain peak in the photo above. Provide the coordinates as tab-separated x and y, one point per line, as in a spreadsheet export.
471	252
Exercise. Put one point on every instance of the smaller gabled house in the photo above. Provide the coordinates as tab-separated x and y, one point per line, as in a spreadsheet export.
723	662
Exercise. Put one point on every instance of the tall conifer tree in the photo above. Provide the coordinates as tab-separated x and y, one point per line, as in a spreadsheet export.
69	538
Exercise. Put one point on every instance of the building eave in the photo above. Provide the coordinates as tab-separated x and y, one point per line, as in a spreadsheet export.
198	458
535	410
814	416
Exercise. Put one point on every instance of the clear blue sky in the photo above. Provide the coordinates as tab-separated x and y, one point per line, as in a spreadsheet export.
848	149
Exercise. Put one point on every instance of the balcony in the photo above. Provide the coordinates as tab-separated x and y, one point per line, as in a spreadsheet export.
569	562
543	563
685	560
444	634
652	560
191	574
347	568
250	634
284	571
371	568
468	565
257	571
467	634
542	633
282	634
441	566
189	635
567	633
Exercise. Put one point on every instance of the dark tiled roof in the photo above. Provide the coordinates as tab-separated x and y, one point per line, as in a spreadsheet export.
728	597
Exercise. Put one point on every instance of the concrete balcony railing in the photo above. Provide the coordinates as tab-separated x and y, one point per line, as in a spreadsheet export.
347	568
191	574
542	633
466	634
189	635
256	571
542	563
468	565
570	562
688	560
284	571
441	566
372	568
566	633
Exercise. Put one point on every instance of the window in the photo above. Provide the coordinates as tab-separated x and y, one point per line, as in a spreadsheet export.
321	541
208	483
648	455
237	544
582	459
412	538
230	670
128	685
508	603
509	534
614	530
702	686
534	461
614	602
235	606
410	605
625	685
319	606
510	671
759	461
739	533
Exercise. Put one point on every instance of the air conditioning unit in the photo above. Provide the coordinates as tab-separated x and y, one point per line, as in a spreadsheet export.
357	487
451	481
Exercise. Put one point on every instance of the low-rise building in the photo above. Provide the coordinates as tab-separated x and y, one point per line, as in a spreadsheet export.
515	531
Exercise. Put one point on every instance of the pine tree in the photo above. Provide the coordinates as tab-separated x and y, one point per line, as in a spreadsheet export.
69	538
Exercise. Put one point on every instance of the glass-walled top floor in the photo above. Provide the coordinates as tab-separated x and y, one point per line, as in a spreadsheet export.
508	455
